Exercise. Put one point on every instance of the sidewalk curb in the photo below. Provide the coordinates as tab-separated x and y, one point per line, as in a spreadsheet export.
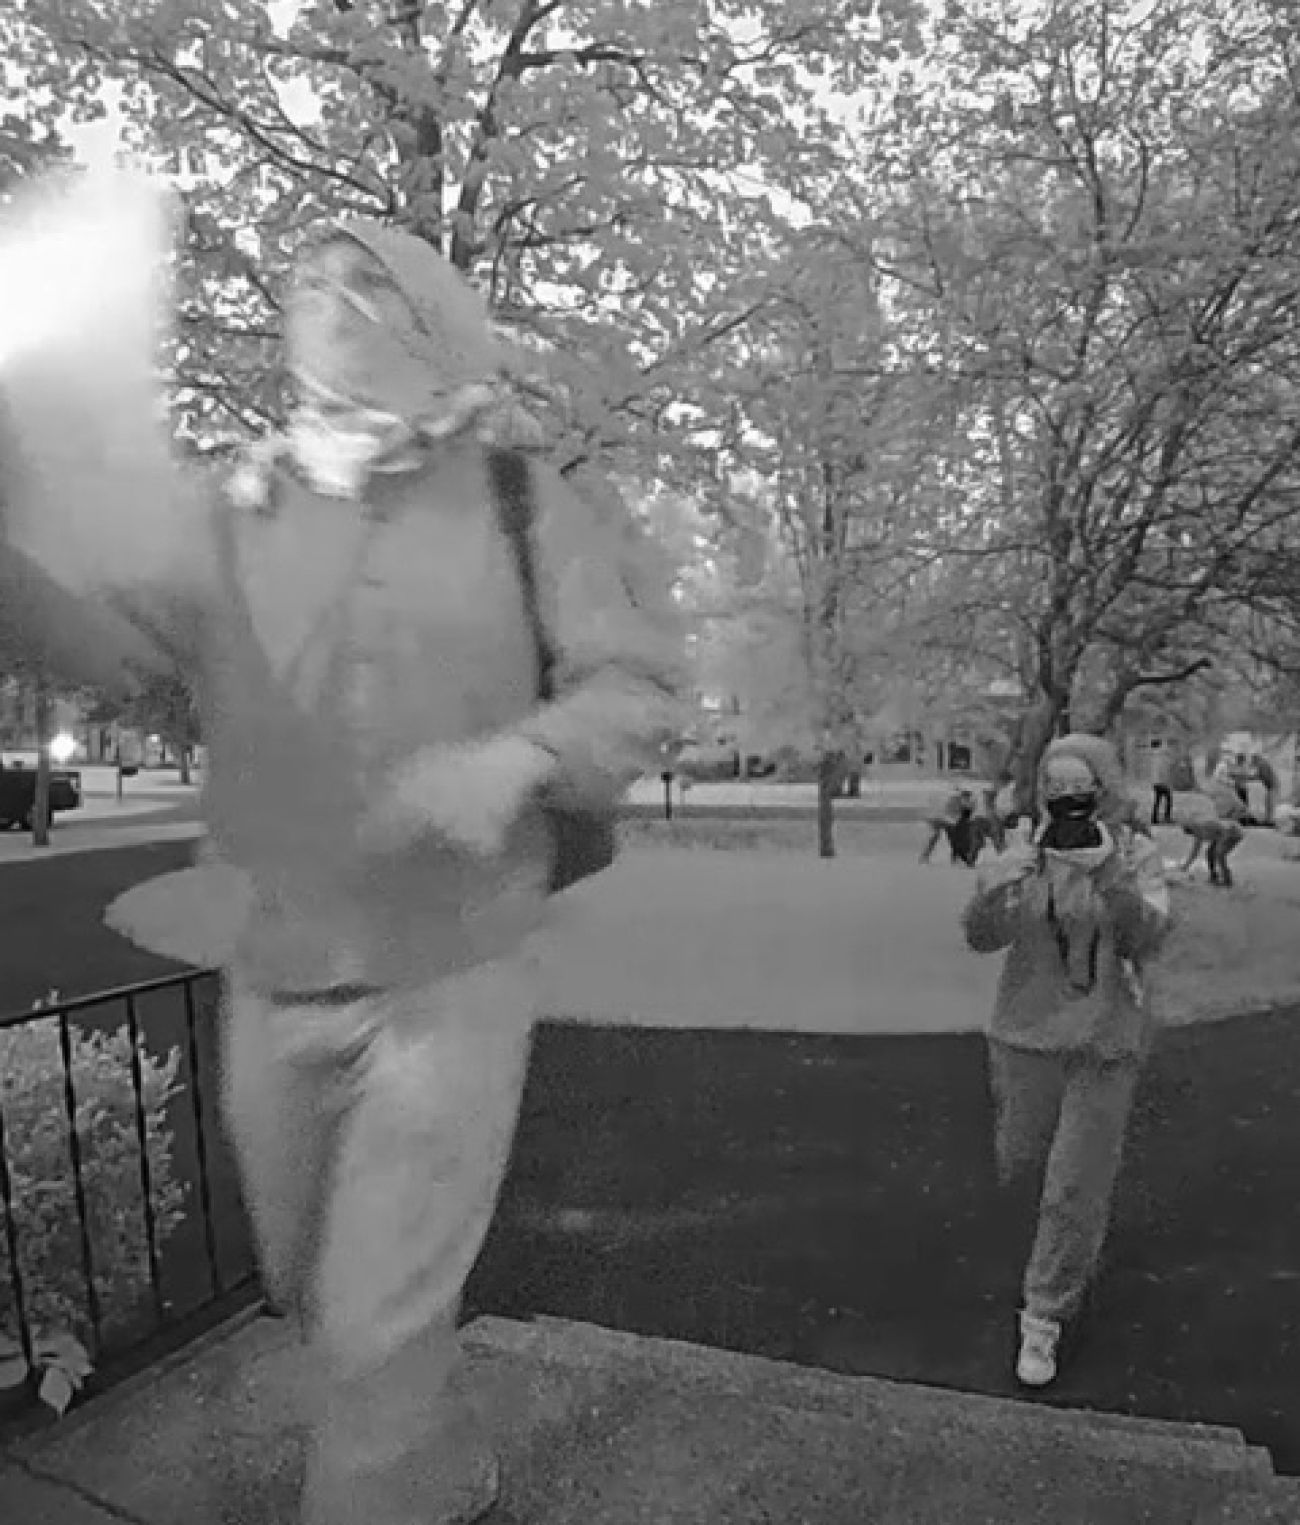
35	1490
25	1451
108	838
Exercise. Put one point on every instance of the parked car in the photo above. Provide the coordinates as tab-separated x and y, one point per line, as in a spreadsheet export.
707	762
18	794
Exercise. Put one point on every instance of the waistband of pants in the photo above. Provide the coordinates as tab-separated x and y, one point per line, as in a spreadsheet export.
347	994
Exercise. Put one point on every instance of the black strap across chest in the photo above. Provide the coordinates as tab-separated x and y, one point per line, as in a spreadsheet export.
512	493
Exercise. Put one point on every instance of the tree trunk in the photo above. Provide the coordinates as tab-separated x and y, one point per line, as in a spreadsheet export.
829	766
184	753
41	806
1038	725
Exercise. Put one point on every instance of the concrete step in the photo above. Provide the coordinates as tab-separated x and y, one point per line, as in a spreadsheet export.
1278	1504
598	1428
711	1429
1212	1448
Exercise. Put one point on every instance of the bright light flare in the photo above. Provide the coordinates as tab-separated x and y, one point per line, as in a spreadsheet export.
89	481
77	252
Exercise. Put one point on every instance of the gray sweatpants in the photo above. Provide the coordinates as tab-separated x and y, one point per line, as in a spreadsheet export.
373	1138
1062	1117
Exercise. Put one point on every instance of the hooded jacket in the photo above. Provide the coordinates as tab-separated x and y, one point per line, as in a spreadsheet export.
335	639
1078	931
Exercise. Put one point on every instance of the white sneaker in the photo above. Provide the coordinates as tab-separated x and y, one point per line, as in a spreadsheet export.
1039	1338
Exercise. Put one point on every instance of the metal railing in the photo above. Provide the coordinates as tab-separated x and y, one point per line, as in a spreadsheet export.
120	1214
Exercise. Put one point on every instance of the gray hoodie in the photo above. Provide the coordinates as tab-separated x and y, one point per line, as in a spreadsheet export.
1079	930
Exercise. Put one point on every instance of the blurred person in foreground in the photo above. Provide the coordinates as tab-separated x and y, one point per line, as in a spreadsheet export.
418	655
1080	911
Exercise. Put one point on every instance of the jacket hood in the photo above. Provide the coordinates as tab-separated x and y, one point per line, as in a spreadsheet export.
1103	761
452	336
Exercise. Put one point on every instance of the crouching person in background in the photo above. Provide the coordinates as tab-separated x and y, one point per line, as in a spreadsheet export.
1219	838
1080	912
1218	835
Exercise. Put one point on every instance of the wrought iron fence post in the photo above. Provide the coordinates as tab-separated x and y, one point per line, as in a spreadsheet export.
146	1171
13	1246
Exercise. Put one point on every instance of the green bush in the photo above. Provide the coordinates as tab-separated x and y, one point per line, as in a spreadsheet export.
34	1109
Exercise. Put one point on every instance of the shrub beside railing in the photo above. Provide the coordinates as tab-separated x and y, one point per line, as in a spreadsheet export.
92	1186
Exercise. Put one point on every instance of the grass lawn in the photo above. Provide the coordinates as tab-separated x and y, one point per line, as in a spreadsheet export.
1230	951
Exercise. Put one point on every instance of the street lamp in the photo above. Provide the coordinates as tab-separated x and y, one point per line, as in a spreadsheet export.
62	748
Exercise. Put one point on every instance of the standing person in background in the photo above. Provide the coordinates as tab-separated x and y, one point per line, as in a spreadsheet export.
1080	913
1267	776
966	834
421	658
993	827
1162	766
1241	774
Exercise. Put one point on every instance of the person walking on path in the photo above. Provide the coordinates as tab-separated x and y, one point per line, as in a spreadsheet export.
1162	805
1267	776
1080	913
426	666
947	814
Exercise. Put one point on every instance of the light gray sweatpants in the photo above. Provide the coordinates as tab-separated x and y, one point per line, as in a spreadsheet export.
1062	1116
372	1139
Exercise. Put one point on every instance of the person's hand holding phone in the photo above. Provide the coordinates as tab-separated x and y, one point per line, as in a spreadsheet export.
1010	869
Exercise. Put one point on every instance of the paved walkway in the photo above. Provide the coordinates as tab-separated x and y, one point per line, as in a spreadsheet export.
104	831
156	807
153	807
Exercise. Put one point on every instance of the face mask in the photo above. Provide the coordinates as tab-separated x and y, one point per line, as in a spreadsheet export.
1072	807
1072	823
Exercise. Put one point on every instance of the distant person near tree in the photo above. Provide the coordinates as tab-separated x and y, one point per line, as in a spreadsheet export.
1162	805
1267	776
1241	774
966	834
993	827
